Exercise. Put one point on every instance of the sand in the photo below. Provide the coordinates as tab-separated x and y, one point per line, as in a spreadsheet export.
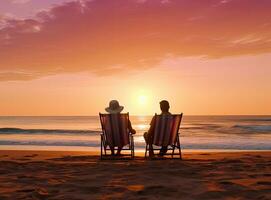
81	175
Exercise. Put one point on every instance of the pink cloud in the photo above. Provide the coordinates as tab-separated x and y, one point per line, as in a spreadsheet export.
106	37
20	1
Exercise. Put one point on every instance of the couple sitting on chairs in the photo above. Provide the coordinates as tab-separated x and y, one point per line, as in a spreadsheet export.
117	132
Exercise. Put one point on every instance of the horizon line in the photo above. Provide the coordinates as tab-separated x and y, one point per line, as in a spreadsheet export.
199	115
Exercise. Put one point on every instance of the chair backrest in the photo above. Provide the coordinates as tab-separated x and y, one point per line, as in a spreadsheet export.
166	129
115	128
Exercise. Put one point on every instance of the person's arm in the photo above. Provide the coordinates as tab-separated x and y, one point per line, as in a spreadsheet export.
152	124
149	135
133	131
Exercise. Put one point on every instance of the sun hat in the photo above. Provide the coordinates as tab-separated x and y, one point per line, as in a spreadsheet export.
114	107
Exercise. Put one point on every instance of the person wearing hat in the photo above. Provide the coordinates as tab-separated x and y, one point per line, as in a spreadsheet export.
115	108
164	106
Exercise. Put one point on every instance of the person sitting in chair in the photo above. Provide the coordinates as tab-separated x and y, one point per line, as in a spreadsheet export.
164	106
115	108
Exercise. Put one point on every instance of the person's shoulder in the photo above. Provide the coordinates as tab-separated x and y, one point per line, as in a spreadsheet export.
166	113
152	120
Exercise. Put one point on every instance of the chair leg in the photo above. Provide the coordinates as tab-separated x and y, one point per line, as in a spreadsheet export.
146	149
179	147
132	146
180	151
132	150
101	156
172	155
105	152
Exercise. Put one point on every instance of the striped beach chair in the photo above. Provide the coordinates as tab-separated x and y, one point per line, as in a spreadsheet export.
166	133
115	133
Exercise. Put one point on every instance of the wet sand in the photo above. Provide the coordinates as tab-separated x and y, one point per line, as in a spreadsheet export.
81	175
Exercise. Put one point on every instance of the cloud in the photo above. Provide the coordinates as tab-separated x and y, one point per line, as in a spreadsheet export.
15	76
19	1
106	37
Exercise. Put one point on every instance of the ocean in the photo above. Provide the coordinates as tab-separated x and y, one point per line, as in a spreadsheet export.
82	133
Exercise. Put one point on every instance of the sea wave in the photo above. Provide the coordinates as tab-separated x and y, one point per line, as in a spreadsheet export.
64	142
52	143
256	120
254	128
200	126
46	131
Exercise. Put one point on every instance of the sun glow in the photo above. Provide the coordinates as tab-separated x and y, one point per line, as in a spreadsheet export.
142	99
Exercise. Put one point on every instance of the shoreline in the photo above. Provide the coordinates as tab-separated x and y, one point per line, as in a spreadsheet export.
95	151
138	153
44	155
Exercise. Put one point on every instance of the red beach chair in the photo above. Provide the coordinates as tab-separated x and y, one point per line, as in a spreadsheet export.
166	133
115	133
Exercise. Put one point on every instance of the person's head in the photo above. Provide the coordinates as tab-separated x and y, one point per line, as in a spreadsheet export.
114	107
164	105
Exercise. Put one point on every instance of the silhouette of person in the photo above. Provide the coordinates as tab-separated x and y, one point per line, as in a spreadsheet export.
164	106
115	108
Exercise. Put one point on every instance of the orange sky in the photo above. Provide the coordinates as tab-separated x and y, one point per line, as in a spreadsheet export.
63	57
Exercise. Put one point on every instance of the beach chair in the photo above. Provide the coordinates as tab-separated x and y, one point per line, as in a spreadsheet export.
166	133
115	133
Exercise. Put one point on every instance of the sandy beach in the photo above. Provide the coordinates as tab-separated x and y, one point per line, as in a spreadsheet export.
81	175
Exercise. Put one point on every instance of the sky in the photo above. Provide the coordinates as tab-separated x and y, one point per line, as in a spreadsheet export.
71	57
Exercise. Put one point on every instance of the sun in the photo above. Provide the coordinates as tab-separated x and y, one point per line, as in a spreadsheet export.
142	99
141	102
